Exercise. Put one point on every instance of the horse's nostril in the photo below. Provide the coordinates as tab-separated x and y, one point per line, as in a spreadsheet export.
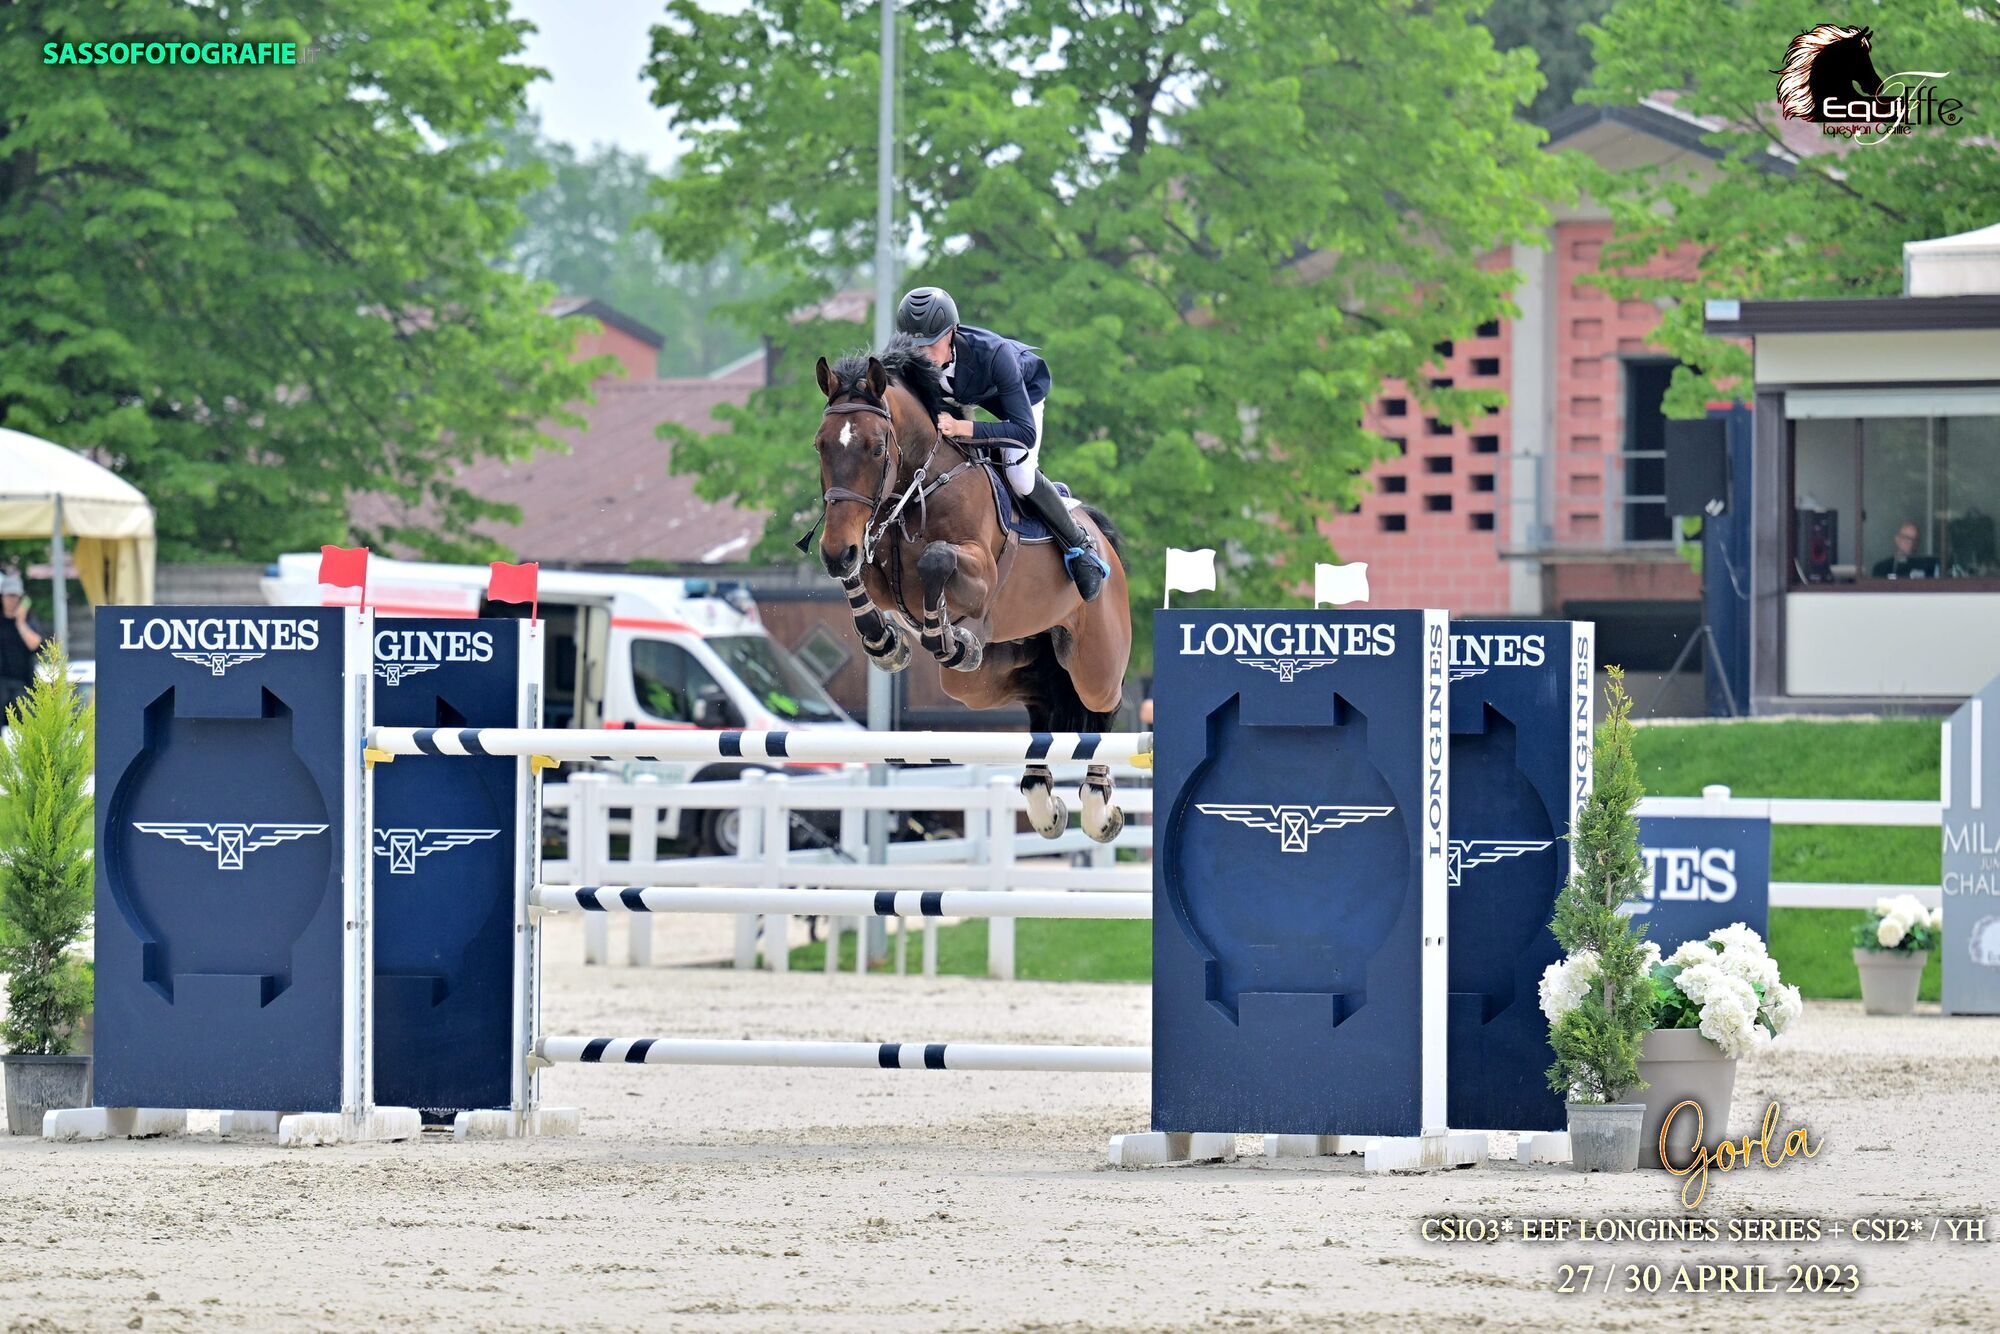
843	562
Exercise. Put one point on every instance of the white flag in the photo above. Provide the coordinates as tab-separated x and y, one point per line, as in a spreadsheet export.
1340	584
1190	571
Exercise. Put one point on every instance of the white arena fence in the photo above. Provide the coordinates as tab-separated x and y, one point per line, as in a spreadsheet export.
975	873
993	858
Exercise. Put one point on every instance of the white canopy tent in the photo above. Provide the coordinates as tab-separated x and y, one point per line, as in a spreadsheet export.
1967	264
48	491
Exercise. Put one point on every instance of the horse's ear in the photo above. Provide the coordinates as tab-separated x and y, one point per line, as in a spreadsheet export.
824	374
878	378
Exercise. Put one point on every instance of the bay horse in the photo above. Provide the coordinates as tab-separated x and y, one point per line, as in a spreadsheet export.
911	513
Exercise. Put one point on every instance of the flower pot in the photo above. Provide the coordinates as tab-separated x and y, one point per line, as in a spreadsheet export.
1889	979
1679	1064
1604	1137
37	1084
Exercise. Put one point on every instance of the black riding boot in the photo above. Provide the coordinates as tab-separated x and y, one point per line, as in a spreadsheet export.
1080	557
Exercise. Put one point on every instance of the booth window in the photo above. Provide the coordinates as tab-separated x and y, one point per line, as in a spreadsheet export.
1895	502
666	678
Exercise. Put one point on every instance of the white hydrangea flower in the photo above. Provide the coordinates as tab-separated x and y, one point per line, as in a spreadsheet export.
1758	969
1782	1006
1701	981
1738	938
1937	918
1882	908
1889	934
1564	983
1692	954
1729	1016
1649	955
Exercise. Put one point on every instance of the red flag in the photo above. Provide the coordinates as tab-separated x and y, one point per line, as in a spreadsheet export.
345	567
515	583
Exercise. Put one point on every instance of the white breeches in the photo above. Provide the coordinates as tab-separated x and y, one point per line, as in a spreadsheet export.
1021	475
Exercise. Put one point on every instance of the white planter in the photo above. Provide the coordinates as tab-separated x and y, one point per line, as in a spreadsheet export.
1889	979
1678	1064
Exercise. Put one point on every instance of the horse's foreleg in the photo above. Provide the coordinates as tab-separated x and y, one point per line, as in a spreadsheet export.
1101	818
885	642
954	646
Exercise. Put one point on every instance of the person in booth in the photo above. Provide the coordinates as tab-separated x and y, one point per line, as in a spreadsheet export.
1905	563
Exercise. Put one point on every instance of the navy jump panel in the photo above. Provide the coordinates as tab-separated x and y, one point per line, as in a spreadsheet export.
1298	813
1521	711
224	737
446	833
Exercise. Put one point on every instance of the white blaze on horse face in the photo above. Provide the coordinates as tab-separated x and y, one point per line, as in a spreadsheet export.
846	434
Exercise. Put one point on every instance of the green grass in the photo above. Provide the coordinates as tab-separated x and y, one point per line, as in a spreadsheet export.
1893	759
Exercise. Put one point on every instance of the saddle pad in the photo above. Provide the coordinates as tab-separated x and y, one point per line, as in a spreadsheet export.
1026	525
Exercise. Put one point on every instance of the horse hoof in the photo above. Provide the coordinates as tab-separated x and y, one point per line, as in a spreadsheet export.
1058	823
1112	826
896	659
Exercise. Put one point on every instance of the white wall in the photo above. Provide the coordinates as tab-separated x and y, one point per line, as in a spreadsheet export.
1935	644
1839	358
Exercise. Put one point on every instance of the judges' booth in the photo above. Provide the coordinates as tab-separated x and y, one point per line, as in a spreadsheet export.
1873	575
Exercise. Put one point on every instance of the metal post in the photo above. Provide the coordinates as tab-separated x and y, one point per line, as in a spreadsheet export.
1000	793
645	833
586	819
873	941
750	848
58	585
777	843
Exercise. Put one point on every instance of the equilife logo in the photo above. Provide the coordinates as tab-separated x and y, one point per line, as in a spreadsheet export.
403	846
400	654
1294	825
229	842
1287	649
1828	78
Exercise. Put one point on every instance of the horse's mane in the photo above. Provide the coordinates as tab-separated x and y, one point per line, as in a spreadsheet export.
907	365
1795	78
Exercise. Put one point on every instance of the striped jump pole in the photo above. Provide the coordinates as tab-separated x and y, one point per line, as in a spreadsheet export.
846	902
565	744
844	1055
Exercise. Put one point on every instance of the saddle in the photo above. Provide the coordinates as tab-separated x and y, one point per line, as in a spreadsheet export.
1024	524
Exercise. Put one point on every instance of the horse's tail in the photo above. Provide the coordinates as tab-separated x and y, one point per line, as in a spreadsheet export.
1108	528
1045	682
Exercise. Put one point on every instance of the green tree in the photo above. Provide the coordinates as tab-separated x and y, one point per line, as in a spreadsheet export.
1764	223
1554	31
45	864
258	290
583	231
1224	226
1597	1042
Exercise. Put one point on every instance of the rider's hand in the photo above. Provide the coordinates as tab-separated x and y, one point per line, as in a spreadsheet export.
957	428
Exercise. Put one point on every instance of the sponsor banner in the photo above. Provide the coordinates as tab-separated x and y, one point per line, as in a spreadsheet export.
1971	942
1703	872
1521	724
447	832
1303	777
226	782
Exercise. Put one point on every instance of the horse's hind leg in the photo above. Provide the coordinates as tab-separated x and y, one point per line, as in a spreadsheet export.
953	646
1046	812
1100	817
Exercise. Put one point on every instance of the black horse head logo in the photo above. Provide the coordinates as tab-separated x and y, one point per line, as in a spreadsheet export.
1827	61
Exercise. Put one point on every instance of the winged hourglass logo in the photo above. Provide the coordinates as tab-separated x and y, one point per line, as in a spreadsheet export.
218	663
1287	669
395	672
229	842
1462	856
1294	825
403	846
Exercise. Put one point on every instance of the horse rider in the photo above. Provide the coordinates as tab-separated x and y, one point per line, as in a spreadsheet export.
982	369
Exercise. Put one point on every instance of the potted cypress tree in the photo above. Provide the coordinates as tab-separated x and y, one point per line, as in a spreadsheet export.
45	894
1597	997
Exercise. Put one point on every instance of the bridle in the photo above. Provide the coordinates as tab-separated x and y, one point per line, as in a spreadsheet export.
879	523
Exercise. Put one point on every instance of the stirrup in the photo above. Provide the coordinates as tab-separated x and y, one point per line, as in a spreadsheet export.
1085	553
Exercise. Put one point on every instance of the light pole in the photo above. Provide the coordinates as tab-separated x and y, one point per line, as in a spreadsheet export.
881	686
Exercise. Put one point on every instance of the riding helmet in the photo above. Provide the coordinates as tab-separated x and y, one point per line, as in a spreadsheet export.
926	313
